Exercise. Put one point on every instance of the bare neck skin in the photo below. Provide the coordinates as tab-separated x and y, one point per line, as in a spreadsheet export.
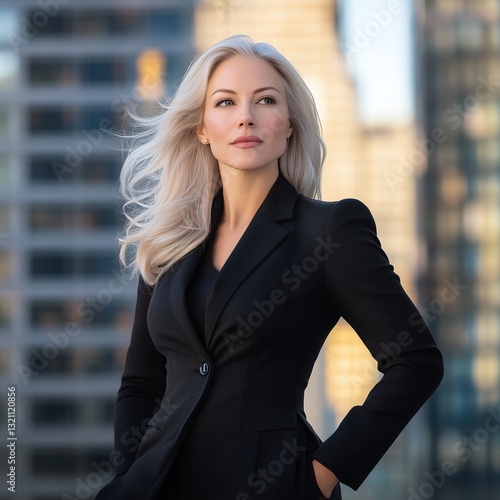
243	193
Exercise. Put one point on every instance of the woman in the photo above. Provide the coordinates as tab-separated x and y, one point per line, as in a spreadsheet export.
242	277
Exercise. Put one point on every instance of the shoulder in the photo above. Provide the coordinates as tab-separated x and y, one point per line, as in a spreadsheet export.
347	212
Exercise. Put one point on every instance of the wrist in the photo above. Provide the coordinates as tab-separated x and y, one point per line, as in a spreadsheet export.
325	479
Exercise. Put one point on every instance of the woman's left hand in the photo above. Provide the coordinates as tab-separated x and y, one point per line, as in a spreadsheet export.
325	478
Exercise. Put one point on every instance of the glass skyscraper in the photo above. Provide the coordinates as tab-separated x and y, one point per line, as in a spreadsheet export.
462	199
67	72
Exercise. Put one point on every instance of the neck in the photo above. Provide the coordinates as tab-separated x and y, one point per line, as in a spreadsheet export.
243	193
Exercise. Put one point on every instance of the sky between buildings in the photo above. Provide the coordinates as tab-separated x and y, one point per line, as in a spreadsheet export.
377	40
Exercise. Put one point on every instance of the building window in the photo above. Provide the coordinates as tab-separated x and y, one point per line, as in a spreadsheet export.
104	169
471	34
72	462
51	119
444	38
51	462
94	23
55	412
78	362
74	363
52	217
41	169
173	23
60	72
68	217
99	263
103	217
102	71
51	313
52	264
100	118
66	72
95	169
57	26
90	311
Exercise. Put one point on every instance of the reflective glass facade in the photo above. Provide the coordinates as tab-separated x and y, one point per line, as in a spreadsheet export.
67	72
462	199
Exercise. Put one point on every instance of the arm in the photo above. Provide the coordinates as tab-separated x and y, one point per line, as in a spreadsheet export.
367	293
142	386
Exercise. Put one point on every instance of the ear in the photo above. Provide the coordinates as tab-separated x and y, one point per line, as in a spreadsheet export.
289	130
202	134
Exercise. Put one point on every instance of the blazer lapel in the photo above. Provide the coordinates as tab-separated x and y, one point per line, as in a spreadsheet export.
181	279
261	237
177	297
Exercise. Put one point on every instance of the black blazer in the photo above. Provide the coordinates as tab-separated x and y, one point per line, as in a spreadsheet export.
300	265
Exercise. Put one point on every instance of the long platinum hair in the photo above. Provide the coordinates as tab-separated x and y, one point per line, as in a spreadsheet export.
169	179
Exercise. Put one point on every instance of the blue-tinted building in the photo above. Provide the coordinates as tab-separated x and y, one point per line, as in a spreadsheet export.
67	72
462	200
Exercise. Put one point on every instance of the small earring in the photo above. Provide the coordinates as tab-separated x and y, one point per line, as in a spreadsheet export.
205	141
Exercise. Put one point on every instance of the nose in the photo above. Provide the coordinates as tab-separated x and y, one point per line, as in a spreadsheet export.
246	118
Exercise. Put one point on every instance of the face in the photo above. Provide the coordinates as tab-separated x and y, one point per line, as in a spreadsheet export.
245	116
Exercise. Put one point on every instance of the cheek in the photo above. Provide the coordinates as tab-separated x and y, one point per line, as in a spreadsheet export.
277	122
213	125
276	127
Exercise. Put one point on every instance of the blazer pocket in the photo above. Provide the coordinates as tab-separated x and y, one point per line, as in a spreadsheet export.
312	438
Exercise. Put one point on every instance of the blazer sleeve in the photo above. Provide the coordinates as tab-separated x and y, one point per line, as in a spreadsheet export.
368	295
142	385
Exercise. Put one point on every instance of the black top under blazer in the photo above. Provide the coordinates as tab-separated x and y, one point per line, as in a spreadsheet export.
300	265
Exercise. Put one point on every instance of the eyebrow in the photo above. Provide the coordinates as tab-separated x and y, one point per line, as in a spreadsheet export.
229	91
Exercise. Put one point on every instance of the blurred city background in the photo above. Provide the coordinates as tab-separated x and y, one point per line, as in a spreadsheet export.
409	97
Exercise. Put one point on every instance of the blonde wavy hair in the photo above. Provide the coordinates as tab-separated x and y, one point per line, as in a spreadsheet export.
169	179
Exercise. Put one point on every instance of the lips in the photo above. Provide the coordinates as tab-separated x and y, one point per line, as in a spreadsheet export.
247	141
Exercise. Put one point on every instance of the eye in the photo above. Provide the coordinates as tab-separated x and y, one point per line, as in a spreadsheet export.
267	100
224	102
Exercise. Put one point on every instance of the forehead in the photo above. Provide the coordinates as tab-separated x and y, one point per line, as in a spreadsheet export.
245	73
